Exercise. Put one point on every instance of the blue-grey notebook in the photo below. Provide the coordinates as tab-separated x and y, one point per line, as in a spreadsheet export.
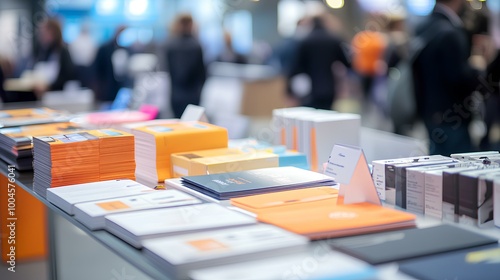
250	182
469	264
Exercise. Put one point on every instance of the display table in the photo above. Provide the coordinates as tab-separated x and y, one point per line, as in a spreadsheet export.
134	257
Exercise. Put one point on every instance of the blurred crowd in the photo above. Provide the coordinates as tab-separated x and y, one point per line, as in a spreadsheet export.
454	61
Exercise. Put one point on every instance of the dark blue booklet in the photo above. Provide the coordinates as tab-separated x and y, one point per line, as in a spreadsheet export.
470	264
243	183
402	245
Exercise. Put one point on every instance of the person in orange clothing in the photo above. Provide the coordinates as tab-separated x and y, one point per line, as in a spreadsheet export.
368	57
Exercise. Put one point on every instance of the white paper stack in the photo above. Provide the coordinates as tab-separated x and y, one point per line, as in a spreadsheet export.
176	256
66	197
92	214
282	124
136	227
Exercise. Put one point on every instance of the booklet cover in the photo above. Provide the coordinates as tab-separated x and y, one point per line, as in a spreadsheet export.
411	243
258	181
92	214
331	221
135	227
475	263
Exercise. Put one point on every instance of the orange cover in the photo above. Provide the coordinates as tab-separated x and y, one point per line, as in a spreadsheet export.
339	220
287	200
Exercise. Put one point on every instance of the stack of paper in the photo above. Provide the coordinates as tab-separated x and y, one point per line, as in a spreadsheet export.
129	127
66	159
330	221
224	160
243	183
91	214
16	142
116	154
288	200
30	116
176	256
136	227
67	196
83	157
156	143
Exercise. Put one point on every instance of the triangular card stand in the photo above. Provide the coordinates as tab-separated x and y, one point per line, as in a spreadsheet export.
348	166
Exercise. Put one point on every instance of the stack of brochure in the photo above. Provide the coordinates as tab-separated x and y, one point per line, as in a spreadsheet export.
16	142
135	227
156	143
177	255
116	154
243	183
30	116
67	196
92	214
83	157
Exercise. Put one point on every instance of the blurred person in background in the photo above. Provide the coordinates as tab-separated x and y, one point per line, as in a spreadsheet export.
315	56
109	68
229	54
83	50
185	65
369	47
53	51
445	80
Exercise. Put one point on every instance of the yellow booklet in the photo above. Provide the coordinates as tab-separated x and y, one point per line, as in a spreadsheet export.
224	160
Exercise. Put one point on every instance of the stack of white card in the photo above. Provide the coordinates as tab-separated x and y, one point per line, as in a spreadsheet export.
176	256
92	214
136	227
66	197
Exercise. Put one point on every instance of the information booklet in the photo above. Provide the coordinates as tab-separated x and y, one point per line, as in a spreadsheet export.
91	214
243	183
176	256
67	196
474	263
30	116
135	227
16	142
156	143
331	221
288	200
411	243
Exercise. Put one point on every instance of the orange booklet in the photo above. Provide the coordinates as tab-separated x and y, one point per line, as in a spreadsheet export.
339	220
287	200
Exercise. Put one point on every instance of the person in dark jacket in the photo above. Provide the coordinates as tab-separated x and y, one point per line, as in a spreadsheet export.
445	80
185	65
107	82
314	57
53	49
